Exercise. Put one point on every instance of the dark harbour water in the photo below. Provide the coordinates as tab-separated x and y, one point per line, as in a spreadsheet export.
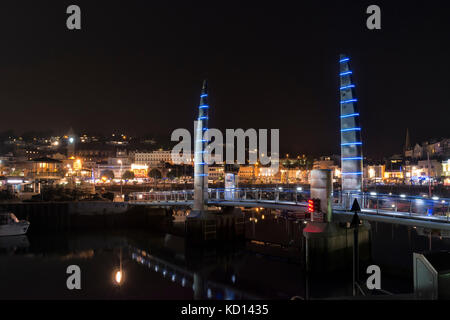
162	266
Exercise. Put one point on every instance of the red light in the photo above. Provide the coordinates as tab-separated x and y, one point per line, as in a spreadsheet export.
313	205
310	205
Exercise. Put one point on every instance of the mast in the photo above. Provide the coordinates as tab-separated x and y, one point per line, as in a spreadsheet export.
351	143
200	166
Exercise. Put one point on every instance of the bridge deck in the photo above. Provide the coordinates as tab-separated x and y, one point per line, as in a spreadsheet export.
417	211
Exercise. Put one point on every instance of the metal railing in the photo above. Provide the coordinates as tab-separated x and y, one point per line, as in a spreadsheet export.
370	202
396	205
276	195
163	196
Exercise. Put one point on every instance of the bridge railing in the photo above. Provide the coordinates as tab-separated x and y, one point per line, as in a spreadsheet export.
256	194
163	196
374	203
402	205
293	195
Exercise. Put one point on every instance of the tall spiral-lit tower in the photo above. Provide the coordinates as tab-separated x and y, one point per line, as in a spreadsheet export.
351	143
200	166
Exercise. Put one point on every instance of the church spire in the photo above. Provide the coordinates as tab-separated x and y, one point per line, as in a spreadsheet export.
407	140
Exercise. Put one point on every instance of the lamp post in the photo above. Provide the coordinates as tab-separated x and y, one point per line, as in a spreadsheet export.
120	162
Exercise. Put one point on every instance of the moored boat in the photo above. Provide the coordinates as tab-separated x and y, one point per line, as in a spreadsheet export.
11	226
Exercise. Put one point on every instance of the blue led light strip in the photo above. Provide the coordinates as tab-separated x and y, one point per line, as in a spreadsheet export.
351	144
203	106
352	173
350	129
352	158
344	60
202	175
348	101
203	95
350	115
203	118
345	73
347	87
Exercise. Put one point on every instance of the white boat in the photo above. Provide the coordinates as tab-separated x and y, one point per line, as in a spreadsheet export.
11	226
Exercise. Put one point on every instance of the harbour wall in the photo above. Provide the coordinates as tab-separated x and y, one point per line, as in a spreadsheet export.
86	214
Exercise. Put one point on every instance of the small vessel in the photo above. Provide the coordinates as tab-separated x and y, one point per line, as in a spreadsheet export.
11	226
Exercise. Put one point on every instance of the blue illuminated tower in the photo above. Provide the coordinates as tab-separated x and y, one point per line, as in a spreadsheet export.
200	166
351	143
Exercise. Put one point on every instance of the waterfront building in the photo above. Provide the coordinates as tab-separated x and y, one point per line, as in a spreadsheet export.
268	175
247	173
374	173
264	174
393	176
153	159
446	172
45	168
94	152
216	173
433	149
423	170
294	175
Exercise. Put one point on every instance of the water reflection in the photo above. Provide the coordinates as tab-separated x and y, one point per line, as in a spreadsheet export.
142	265
139	265
197	280
12	243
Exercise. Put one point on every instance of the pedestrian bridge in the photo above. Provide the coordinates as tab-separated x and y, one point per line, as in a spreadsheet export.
270	198
377	207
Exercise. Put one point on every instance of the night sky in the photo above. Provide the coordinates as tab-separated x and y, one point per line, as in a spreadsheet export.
137	67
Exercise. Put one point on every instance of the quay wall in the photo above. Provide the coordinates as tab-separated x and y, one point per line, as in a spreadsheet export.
86	214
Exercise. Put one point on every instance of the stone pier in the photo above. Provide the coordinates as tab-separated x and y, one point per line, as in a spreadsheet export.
329	244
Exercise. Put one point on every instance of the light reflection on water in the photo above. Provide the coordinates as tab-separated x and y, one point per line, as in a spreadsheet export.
139	265
152	267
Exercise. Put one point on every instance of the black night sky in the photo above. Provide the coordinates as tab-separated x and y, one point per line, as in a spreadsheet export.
137	67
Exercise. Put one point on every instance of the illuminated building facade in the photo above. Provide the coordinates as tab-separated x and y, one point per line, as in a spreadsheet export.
139	170
446	172
374	173
216	173
247	173
153	159
45	168
351	143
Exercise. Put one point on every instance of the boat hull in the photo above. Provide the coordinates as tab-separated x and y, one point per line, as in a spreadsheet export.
14	229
